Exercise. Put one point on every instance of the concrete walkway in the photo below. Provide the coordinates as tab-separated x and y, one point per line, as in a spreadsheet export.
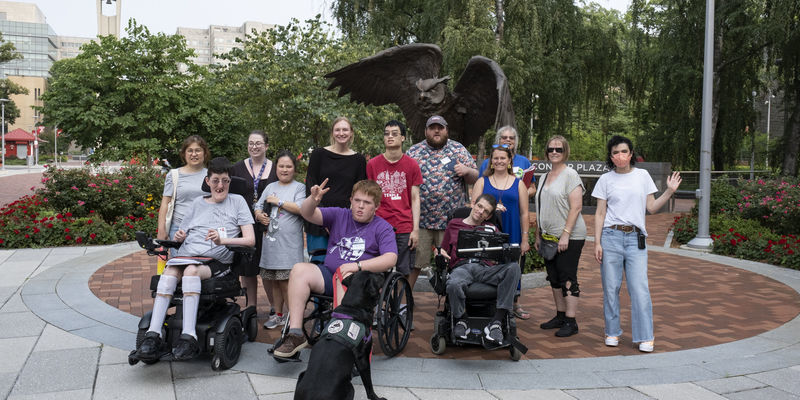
58	340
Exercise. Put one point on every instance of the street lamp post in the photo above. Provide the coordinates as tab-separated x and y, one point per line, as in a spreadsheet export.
534	97
3	106
769	116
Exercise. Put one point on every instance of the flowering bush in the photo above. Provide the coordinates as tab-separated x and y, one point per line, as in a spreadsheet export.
76	208
133	190
754	219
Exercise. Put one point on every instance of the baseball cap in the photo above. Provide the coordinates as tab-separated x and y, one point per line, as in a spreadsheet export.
436	119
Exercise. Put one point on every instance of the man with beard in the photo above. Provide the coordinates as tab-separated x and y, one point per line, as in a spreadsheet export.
447	168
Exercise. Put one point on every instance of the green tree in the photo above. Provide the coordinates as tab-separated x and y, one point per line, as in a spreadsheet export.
277	84
137	96
783	32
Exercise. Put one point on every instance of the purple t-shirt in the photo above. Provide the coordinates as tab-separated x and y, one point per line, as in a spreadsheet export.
351	241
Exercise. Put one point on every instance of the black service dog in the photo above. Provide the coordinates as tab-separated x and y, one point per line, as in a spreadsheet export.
347	340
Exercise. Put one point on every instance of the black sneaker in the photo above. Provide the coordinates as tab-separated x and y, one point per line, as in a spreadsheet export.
150	347
568	329
461	329
186	349
556	322
494	332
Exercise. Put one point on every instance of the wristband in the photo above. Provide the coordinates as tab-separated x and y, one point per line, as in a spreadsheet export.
358	264
567	231
280	203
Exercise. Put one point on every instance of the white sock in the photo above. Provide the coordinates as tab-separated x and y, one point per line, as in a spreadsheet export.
164	290
191	284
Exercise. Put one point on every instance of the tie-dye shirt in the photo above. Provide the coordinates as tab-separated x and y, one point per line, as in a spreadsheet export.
442	189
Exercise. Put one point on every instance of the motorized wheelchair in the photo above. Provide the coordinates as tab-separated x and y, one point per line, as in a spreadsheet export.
481	298
393	318
222	325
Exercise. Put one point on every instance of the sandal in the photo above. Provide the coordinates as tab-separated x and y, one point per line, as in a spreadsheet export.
520	313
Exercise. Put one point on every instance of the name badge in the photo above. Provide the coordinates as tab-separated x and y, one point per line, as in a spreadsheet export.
446	160
223	234
395	197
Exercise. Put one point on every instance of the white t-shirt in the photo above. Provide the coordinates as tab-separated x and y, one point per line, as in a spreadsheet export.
626	195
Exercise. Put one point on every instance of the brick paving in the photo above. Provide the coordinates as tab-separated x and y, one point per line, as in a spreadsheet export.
16	186
695	305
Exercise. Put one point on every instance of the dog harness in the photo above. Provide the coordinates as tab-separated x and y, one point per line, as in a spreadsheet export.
348	332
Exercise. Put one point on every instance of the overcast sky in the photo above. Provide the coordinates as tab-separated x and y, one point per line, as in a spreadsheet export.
78	17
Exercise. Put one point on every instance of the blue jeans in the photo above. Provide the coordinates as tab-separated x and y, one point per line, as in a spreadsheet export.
621	254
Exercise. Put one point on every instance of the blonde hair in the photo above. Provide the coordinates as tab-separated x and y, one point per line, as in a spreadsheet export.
352	132
564	143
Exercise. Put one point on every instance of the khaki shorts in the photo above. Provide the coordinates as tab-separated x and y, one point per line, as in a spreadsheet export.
428	239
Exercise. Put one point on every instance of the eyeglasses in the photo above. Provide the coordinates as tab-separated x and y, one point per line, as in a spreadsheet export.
508	138
392	134
494	146
195	151
217	181
556	149
255	144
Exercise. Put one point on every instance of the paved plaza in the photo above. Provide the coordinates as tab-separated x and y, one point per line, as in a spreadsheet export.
59	340
725	329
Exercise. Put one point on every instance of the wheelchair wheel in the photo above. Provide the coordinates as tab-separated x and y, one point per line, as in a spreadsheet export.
139	339
314	322
395	314
515	354
227	345
438	344
252	329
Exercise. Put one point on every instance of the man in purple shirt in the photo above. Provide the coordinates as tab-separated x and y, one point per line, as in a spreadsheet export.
359	240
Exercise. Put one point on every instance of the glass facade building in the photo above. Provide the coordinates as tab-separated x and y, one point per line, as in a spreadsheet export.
35	41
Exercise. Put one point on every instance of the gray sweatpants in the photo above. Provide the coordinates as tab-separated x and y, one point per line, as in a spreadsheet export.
504	276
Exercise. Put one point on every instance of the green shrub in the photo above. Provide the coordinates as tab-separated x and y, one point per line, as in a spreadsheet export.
77	207
724	196
774	203
131	191
684	228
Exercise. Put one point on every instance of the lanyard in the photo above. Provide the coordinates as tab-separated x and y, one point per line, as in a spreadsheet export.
256	178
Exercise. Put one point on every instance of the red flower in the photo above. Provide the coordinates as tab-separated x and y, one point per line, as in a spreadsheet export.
79	240
66	230
49	225
790	252
68	237
89	222
69	214
733	242
730	230
27	236
92	235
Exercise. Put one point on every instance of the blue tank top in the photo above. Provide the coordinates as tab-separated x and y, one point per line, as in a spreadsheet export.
510	199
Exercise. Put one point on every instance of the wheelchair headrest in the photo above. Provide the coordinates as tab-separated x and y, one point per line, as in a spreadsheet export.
463	212
238	186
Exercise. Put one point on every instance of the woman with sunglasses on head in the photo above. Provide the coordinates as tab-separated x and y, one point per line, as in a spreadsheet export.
559	202
624	195
257	171
510	192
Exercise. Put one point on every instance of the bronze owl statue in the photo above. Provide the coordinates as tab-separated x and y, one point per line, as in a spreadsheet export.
408	76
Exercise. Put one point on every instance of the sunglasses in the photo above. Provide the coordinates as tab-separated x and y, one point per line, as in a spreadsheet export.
494	146
556	149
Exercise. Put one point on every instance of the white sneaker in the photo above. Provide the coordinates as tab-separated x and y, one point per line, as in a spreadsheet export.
612	341
646	347
275	321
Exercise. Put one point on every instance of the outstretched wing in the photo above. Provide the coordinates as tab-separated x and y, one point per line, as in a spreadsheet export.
483	99
390	76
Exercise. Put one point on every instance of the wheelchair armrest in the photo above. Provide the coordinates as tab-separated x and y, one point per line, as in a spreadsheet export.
146	242
169	243
248	250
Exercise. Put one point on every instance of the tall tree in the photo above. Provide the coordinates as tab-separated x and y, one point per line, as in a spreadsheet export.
276	81
131	97
783	31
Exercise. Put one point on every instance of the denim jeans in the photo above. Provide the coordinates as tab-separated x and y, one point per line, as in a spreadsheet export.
504	276
621	254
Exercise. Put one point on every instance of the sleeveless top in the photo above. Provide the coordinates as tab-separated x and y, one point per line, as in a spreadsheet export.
510	199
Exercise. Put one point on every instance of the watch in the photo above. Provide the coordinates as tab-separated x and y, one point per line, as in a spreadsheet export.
359	265
280	203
